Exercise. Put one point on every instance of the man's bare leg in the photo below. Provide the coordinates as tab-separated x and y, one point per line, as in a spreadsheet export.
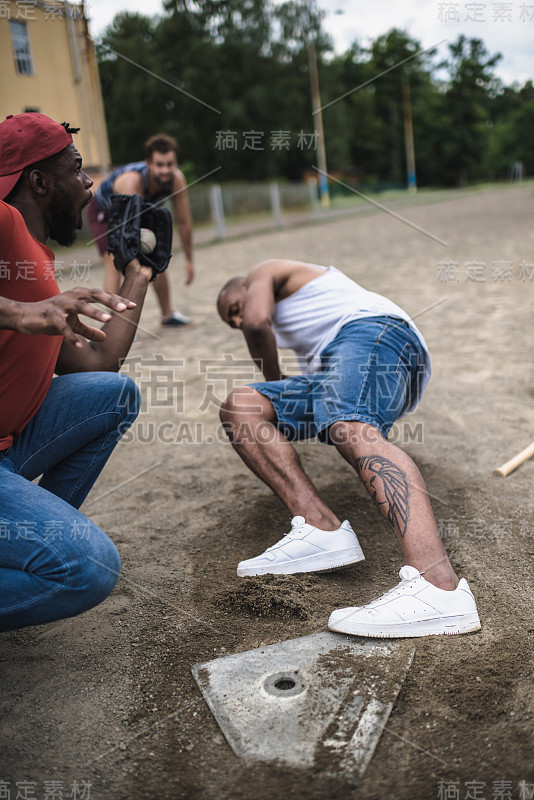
249	419
162	287
389	475
399	491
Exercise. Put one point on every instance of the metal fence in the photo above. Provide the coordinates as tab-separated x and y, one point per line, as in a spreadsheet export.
218	203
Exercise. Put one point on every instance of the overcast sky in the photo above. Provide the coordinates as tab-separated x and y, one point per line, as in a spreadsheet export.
506	26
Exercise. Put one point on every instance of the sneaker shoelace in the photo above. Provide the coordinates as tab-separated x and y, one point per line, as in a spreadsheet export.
288	537
396	591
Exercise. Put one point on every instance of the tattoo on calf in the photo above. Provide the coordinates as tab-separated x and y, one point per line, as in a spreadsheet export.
387	485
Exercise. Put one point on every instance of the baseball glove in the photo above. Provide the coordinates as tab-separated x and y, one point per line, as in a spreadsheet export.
127	215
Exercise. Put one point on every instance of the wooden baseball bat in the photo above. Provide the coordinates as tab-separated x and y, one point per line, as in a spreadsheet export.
514	462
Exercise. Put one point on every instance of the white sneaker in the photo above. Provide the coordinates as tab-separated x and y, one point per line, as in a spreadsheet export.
176	318
306	549
413	608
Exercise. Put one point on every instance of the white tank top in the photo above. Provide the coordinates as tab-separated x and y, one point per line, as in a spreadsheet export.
310	318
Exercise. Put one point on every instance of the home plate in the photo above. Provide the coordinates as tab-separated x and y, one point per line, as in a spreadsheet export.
318	701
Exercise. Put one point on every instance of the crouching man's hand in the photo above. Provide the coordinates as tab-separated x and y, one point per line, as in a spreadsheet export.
59	315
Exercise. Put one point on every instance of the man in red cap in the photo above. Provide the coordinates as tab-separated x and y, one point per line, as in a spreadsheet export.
54	562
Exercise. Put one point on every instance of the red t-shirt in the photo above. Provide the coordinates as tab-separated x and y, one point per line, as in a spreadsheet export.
27	362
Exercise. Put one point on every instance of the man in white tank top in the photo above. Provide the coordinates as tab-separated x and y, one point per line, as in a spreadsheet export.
364	365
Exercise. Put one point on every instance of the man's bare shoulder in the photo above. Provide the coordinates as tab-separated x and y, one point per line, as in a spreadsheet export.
283	267
129	182
179	181
287	275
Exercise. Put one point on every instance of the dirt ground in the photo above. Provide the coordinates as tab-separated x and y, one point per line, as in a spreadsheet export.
108	697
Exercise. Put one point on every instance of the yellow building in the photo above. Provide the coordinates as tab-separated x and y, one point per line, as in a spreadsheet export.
48	64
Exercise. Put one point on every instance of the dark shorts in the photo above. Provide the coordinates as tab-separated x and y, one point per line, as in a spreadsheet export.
369	373
98	222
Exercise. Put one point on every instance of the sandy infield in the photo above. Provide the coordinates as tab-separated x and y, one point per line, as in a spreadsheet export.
108	697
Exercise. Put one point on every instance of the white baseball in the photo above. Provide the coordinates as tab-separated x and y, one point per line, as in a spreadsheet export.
147	240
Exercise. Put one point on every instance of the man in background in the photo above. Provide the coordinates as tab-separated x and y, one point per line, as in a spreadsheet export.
156	179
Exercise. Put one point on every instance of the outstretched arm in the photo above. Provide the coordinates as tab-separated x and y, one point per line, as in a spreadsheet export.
58	315
184	221
258	311
106	353
252	306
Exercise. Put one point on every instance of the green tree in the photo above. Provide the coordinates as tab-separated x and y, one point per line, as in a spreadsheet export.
127	90
511	134
206	67
466	116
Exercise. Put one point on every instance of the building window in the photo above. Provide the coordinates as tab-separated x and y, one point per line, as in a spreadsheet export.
21	47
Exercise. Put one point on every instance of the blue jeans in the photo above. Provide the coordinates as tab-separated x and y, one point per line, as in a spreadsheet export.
372	372
54	562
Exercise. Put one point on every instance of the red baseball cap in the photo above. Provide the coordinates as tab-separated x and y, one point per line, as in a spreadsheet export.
24	140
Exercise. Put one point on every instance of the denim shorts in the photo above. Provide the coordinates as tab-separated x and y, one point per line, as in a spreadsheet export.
369	373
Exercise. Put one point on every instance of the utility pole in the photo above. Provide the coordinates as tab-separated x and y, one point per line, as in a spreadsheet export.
408	132
316	104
